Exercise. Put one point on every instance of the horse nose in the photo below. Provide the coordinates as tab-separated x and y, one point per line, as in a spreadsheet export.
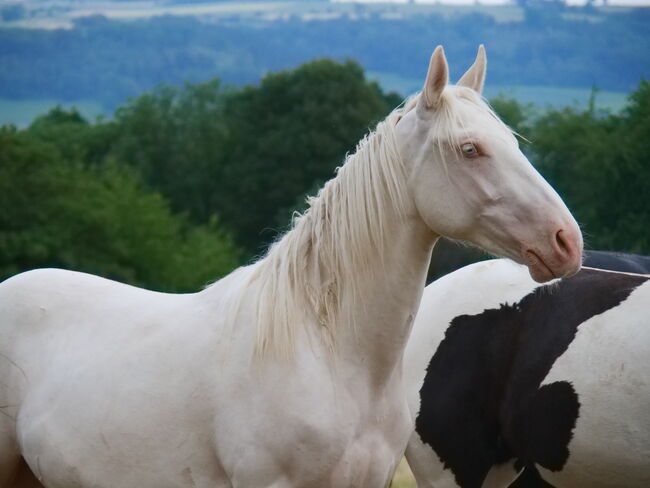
567	246
558	254
562	246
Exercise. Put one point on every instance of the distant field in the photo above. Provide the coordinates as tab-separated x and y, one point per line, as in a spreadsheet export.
22	112
139	10
50	14
543	97
61	14
555	97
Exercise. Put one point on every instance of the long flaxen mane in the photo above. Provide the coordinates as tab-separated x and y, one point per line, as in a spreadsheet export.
334	246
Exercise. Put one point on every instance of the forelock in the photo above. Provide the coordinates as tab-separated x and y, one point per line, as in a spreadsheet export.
450	123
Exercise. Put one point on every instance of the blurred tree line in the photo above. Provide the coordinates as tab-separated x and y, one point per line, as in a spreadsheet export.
108	61
183	184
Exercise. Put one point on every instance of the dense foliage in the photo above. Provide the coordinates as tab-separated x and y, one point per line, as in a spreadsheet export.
288	135
109	61
61	210
248	154
179	186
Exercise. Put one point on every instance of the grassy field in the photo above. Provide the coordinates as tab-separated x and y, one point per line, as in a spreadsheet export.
144	9
542	97
556	97
22	112
403	477
50	14
61	13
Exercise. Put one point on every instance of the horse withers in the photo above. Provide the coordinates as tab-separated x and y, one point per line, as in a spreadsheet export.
528	386
285	373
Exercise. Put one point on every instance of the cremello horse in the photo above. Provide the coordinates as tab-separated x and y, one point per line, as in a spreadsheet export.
285	373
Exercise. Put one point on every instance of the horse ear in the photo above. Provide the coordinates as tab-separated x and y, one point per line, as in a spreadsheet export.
437	79
474	78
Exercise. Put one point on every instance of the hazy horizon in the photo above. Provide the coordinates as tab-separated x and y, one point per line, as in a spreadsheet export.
611	3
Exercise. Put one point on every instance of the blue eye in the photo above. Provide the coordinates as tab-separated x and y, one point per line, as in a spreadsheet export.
469	150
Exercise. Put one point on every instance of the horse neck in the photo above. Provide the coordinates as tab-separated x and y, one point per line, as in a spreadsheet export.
384	311
354	264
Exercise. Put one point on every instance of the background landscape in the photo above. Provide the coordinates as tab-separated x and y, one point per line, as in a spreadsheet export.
164	143
97	54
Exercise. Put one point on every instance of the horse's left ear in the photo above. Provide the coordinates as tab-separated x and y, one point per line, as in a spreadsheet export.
474	78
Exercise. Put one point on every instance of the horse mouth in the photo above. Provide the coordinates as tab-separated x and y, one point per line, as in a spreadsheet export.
538	269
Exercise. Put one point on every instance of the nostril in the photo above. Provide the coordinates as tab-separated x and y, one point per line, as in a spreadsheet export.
562	243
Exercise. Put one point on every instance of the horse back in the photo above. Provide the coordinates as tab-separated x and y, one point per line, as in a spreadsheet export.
518	375
53	316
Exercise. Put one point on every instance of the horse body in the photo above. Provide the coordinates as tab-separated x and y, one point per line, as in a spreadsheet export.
108	373
286	373
550	378
154	388
608	364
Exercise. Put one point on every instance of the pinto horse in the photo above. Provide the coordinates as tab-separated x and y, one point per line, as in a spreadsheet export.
552	379
285	373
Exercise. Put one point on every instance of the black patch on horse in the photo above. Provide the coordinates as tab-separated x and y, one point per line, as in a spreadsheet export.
481	401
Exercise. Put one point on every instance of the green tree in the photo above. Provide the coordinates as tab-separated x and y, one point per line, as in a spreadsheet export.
247	155
175	138
513	113
288	133
100	219
74	137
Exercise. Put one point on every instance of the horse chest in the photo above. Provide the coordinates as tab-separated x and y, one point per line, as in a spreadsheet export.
315	433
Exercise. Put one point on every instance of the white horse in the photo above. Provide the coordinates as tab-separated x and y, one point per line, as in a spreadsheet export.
285	373
553	379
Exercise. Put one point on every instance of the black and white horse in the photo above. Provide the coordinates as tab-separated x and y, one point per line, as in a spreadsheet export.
523	385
